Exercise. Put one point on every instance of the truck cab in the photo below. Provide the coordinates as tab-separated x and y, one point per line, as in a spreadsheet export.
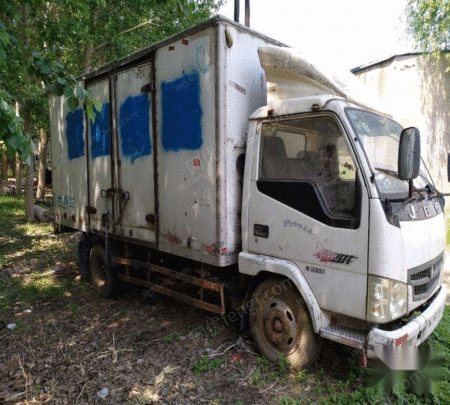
324	205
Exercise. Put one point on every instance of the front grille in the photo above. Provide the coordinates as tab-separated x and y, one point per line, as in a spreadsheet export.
421	275
424	278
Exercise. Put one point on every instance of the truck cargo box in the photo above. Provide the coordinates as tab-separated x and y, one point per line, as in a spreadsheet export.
159	165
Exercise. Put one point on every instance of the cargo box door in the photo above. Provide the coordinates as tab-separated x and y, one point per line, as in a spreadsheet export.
100	170
136	203
69	164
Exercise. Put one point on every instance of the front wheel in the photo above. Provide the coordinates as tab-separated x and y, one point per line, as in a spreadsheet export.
103	277
280	323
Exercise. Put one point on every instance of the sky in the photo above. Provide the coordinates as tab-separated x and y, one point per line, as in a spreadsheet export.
350	33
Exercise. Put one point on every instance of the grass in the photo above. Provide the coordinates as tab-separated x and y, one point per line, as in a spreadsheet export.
31	257
173	337
206	364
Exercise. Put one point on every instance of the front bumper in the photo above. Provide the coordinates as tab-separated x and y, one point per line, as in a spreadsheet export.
398	349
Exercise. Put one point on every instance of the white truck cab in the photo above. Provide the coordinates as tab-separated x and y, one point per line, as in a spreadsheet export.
323	205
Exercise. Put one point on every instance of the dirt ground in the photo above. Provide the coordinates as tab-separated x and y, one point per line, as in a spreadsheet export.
77	348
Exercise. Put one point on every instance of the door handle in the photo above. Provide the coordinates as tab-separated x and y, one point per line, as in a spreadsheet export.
262	231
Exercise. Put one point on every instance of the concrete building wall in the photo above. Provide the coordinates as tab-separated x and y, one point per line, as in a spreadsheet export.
415	88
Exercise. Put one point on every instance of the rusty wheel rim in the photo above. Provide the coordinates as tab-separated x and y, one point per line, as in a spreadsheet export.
280	326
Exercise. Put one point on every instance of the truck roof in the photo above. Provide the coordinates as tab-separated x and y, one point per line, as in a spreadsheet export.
293	106
143	53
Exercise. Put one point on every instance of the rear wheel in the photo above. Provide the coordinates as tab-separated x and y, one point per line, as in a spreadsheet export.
104	278
280	323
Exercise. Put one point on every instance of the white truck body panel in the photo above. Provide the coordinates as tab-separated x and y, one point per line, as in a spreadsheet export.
99	159
135	151
69	165
203	94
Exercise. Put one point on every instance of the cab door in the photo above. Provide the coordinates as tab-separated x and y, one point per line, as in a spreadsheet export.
308	205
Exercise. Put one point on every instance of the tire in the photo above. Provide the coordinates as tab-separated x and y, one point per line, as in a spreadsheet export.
281	325
104	278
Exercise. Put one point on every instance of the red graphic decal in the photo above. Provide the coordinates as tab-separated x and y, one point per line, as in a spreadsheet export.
196	162
325	256
171	48
184	41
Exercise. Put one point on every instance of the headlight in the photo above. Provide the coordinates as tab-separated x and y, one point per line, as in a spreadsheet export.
386	299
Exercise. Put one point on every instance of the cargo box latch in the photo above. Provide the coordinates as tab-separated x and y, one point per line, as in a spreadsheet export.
90	210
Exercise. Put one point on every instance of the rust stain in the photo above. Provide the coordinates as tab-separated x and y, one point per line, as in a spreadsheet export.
174	240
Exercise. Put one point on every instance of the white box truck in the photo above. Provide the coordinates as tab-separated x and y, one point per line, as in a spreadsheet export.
228	172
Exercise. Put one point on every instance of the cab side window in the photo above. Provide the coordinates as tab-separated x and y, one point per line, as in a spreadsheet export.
305	163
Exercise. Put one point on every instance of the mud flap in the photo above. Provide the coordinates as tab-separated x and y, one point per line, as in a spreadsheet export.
84	248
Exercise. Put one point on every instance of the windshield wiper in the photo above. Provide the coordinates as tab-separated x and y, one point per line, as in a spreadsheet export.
393	173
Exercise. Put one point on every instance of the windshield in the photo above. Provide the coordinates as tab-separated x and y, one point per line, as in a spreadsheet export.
380	137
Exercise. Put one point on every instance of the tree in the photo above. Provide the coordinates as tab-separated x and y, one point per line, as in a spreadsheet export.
45	44
429	23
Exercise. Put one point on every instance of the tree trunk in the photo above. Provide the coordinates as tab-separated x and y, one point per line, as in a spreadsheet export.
4	164
18	174
89	51
42	154
29	181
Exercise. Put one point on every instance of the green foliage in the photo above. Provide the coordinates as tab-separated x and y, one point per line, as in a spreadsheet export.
44	45
171	338
263	363
429	23
206	364
284	366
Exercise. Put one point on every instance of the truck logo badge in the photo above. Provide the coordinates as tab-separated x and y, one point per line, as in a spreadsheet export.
325	256
427	211
437	207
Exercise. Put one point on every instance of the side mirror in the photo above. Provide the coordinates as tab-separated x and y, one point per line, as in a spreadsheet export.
409	154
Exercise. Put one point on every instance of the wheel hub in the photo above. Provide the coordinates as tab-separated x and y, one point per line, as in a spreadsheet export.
280	327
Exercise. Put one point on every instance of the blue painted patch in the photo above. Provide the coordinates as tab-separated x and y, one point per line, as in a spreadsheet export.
101	133
74	134
182	113
134	124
